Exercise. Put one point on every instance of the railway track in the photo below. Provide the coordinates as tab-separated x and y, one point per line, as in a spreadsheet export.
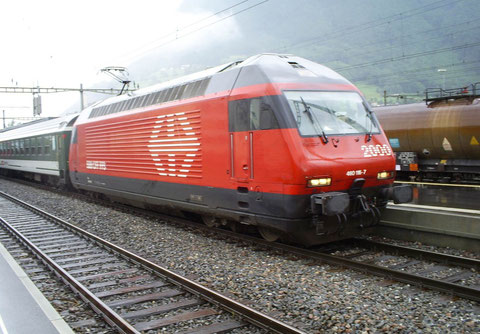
132	294
449	274
453	275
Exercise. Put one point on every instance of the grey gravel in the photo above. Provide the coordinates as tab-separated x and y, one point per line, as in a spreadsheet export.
312	297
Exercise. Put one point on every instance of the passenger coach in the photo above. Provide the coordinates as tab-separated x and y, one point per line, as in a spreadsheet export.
38	150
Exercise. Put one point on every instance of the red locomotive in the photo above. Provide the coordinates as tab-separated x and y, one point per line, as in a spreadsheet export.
275	141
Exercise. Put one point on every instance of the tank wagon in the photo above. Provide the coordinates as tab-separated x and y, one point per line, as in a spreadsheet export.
438	140
38	150
275	141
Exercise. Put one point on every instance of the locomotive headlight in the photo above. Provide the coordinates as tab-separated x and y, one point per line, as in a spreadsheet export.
386	175
324	181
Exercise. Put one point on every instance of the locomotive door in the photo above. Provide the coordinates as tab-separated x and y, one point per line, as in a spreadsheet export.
242	119
241	147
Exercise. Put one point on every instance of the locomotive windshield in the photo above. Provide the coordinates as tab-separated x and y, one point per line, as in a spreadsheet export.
320	113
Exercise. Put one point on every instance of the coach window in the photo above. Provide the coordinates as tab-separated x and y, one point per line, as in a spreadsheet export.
47	142
22	146
54	141
39	146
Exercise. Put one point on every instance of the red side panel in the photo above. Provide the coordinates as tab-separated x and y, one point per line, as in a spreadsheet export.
189	143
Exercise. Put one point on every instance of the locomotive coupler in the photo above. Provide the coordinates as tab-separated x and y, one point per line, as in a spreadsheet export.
331	205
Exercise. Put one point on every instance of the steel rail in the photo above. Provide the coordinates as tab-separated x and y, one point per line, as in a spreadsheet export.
420	253
249	314
401	276
100	307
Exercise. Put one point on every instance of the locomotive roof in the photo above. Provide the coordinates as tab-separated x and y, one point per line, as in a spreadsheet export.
45	127
276	67
259	69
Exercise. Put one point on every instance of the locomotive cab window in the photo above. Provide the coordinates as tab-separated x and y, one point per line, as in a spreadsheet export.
330	113
251	114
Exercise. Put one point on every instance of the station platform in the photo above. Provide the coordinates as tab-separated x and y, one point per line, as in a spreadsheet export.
434	225
23	308
455	196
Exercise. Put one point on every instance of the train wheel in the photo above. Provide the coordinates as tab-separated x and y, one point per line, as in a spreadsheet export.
210	221
268	234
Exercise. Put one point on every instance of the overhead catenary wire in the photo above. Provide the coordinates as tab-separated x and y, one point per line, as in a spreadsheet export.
369	25
417	71
174	32
450	76
408	56
364	45
178	33
368	52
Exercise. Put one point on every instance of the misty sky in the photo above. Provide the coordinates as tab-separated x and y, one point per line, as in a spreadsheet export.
59	43
63	43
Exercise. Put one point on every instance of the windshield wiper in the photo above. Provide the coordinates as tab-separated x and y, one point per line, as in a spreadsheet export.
369	115
314	120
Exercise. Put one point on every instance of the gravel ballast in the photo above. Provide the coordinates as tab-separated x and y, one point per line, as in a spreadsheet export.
315	298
